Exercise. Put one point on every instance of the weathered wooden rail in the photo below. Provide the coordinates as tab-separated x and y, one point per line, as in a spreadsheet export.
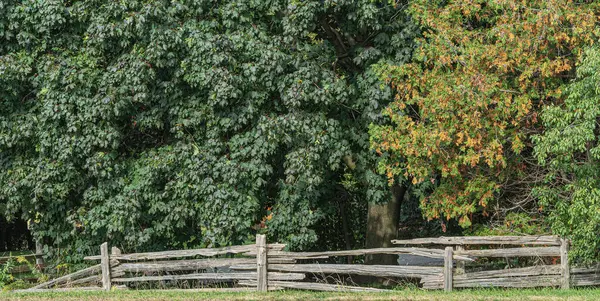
264	267
23	270
532	246
4	259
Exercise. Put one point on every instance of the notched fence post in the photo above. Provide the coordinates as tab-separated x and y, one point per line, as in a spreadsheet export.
261	263
565	268
39	257
105	265
460	265
115	251
448	254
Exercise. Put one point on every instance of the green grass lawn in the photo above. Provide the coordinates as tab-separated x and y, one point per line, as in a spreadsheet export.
462	295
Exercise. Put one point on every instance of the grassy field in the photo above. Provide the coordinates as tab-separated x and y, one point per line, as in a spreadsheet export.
463	295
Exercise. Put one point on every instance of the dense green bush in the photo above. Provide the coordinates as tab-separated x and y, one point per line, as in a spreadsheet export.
158	124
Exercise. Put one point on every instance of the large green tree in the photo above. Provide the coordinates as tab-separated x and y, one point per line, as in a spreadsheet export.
570	151
468	103
160	124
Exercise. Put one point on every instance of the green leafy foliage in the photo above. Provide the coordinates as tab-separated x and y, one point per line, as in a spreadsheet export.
569	149
5	275
513	224
468	102
157	124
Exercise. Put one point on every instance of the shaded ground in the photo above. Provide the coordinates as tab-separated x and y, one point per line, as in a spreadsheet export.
464	295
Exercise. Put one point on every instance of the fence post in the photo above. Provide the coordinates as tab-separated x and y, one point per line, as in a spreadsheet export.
564	264
115	251
261	263
39	258
105	264
460	265
448	254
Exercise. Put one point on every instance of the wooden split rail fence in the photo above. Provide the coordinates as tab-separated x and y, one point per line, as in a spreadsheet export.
540	247
263	266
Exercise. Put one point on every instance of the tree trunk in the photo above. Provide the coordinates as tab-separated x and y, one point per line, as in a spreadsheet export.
348	237
8	236
3	230
382	226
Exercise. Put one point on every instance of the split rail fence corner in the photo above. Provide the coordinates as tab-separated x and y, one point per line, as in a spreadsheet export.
265	267
534	276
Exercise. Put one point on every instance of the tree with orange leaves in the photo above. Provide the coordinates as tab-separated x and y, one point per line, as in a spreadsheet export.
468	102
